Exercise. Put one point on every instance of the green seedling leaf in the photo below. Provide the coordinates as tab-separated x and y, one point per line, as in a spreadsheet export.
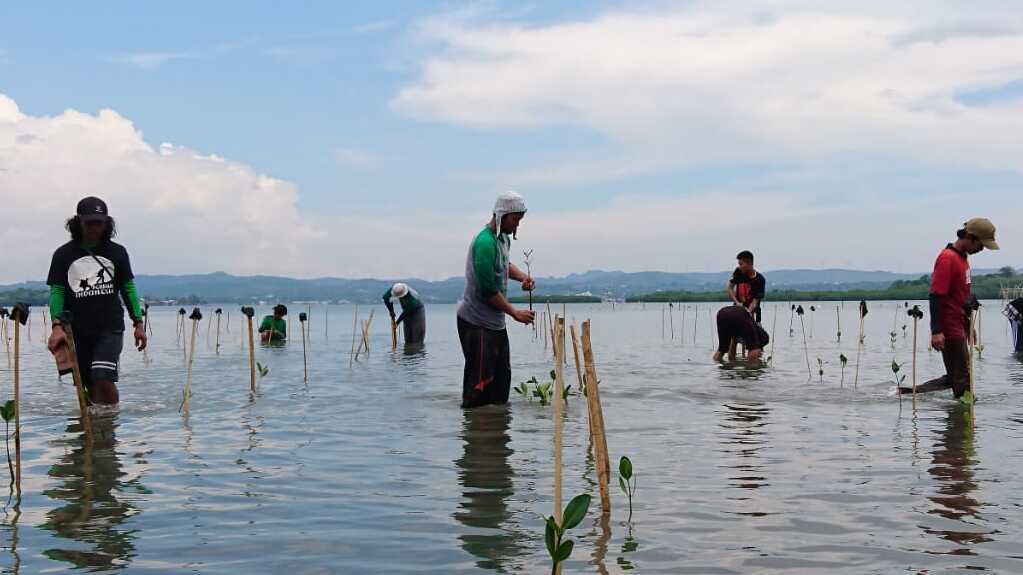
842	358
554	375
7	411
263	370
575	511
625	467
551	536
895	367
565	551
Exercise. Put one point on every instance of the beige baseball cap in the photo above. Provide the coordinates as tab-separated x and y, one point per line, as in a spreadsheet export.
983	230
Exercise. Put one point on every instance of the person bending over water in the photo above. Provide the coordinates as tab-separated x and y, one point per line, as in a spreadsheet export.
736	325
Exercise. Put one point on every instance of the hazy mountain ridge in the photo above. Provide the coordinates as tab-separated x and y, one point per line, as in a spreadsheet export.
220	286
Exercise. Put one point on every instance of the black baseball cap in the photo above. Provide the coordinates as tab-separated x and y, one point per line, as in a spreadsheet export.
92	209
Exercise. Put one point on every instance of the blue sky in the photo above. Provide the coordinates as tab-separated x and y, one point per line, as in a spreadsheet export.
658	135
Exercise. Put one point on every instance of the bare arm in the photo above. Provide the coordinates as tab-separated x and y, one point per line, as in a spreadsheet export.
520	315
515	273
731	293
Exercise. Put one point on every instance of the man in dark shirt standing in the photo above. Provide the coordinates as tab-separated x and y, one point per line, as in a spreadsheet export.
747	286
89	276
949	306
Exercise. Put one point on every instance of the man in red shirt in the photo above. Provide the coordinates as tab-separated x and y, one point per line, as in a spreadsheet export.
949	305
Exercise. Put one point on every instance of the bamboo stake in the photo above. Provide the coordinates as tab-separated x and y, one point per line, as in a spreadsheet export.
859	342
219	313
76	375
326	321
596	416
551	320
915	319
662	321
774	326
355	329
682	328
696	321
17	395
806	349
309	310
838	320
394	334
196	317
578	368
305	362
671	319
247	313
559	408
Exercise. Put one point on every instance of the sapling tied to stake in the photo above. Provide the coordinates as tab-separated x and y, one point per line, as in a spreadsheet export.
917	314
859	344
806	349
559	548
7	412
626	480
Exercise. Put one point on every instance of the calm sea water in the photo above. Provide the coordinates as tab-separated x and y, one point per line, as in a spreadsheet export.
376	469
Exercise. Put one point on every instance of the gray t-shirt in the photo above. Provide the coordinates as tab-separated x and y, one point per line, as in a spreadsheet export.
486	274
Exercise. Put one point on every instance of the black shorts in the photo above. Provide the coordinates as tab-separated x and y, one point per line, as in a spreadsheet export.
487	375
99	355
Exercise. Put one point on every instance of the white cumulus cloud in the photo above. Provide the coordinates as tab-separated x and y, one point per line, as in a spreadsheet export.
721	80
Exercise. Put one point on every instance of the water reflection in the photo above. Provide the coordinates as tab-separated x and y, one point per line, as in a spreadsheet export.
94	501
486	479
953	462
743	438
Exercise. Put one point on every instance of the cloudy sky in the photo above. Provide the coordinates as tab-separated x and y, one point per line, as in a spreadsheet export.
363	139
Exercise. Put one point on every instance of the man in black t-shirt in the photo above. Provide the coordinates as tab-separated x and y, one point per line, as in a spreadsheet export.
89	276
747	286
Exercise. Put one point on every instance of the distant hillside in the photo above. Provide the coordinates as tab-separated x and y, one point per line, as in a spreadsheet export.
222	287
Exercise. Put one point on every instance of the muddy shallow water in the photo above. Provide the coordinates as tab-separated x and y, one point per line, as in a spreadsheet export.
376	469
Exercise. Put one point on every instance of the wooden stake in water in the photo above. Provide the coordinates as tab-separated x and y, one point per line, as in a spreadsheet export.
196	317
218	313
20	316
355	330
302	317
663	308
838	322
696	320
596	416
559	408
671	319
806	349
76	375
916	314
682	328
578	368
394	334
859	342
247	313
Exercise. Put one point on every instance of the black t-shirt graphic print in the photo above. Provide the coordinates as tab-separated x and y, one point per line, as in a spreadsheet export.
92	284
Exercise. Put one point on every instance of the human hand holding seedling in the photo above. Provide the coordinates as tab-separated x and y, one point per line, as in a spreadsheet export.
524	316
141	339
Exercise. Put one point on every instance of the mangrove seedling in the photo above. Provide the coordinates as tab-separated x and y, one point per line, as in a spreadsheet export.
263	369
7	412
523	390
806	349
820	369
896	368
626	480
843	360
542	391
529	273
559	548
791	317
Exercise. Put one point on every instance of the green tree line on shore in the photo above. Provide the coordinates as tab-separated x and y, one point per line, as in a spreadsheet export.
984	287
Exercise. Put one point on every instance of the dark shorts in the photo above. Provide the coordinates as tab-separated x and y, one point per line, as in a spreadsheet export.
99	355
956	356
414	325
487	376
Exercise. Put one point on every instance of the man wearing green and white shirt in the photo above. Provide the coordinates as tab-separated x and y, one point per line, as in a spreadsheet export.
481	323
413	312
